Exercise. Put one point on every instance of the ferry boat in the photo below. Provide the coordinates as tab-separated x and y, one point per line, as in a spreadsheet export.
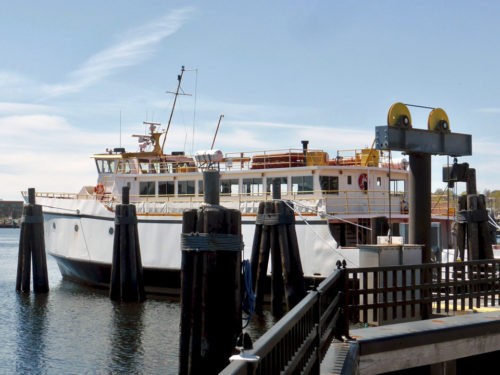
337	201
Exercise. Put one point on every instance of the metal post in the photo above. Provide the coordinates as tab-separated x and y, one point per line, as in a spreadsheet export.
211	186
31	196
276	188
419	192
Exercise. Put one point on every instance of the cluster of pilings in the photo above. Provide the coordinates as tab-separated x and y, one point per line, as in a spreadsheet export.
472	226
275	236
126	271
32	249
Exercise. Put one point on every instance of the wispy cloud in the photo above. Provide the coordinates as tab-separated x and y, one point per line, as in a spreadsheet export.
134	46
489	110
7	108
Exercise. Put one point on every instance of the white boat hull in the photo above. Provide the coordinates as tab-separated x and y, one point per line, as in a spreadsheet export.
79	234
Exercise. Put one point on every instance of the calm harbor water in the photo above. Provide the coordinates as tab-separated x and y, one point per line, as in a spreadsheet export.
77	330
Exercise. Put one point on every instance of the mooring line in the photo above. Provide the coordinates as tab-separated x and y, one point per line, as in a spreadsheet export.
329	216
316	233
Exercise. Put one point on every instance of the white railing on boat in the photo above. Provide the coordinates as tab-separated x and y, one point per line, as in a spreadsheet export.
332	203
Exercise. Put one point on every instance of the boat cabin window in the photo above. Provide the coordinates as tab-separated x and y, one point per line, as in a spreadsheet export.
349	180
166	188
149	166
230	187
379	181
185	188
147	188
106	166
283	184
200	187
124	167
398	186
302	184
329	184
253	186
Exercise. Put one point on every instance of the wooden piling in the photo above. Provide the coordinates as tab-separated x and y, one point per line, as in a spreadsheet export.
32	249
262	261
277	285
254	257
472	230
485	248
126	271
211	285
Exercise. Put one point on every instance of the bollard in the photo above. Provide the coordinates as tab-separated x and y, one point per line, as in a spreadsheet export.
126	271
211	284
32	249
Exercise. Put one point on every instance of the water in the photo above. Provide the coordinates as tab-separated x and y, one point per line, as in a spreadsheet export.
77	330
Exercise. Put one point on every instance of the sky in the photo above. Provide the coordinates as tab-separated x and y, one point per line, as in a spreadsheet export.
79	77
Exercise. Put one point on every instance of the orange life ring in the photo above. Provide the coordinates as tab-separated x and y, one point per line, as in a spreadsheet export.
99	189
363	181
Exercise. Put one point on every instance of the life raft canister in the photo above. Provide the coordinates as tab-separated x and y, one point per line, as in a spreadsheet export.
99	189
363	181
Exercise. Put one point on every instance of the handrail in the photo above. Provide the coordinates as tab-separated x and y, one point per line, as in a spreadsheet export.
298	341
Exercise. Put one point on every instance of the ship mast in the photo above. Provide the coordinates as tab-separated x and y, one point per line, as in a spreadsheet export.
176	93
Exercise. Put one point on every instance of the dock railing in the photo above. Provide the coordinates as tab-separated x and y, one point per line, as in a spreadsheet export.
395	293
297	343
377	295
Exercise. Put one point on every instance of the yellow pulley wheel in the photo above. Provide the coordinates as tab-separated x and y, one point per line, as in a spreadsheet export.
399	116
438	121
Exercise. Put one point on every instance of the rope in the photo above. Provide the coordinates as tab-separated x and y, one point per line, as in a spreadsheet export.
317	235
326	215
248	301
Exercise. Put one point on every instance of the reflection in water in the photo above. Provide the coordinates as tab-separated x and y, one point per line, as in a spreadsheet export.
127	350
77	330
31	333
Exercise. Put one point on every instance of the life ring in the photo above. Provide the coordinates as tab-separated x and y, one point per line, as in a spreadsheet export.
99	189
363	181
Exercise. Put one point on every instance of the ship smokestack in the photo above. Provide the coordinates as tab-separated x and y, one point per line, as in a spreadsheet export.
304	149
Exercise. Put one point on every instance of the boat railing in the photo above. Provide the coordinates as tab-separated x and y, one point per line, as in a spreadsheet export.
333	202
372	202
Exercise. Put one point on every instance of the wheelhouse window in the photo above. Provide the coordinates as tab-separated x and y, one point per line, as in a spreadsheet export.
329	184
124	167
166	188
302	184
253	186
283	184
106	166
230	187
149	166
185	187
147	188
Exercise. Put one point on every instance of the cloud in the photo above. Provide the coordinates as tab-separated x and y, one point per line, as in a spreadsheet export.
134	47
489	110
7	108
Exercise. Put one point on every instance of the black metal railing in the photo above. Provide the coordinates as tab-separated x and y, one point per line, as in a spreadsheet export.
298	342
393	293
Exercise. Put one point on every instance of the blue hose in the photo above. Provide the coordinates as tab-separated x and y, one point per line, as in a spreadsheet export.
248	301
